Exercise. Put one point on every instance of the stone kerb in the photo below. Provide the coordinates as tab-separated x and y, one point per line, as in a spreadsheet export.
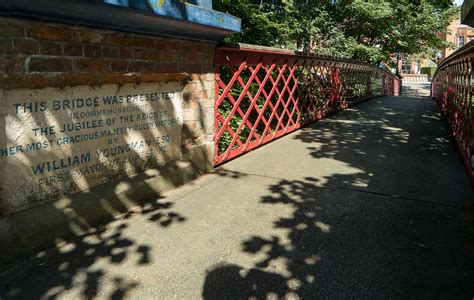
94	122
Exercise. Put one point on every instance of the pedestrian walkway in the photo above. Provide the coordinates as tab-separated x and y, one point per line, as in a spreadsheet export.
416	89
372	202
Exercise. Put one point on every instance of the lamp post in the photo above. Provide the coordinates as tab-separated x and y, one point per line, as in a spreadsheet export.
398	63
397	73
438	56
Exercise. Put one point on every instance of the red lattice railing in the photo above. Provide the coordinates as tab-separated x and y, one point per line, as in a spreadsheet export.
264	93
453	89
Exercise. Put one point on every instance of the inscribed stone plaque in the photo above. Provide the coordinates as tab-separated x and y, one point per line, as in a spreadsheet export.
60	141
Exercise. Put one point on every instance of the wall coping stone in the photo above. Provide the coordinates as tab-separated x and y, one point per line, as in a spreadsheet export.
168	18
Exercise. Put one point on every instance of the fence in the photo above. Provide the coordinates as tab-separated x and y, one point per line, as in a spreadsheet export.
264	93
452	89
415	78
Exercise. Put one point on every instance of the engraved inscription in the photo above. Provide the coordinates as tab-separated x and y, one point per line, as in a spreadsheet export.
61	141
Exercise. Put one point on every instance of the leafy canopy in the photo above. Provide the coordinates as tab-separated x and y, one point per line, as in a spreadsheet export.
368	31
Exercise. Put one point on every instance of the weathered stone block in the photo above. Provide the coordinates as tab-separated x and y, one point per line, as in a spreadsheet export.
49	64
110	51
50	48
92	50
23	46
12	65
51	33
88	36
72	49
140	54
63	141
90	65
11	28
119	66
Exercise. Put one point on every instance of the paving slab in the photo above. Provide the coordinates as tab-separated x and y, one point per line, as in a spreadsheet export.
372	202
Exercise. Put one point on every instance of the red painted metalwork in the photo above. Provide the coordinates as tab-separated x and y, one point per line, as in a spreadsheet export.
264	93
452	89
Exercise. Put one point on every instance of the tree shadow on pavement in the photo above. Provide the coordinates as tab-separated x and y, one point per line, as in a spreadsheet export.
388	228
79	262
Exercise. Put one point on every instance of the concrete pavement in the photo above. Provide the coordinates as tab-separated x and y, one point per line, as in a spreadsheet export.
372	202
416	89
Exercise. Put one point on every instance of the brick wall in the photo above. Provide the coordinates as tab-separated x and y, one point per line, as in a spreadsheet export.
36	55
37	48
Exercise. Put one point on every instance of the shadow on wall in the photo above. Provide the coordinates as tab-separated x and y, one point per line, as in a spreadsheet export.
74	261
373	233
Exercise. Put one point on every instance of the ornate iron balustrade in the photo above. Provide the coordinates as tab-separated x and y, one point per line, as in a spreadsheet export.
264	93
452	88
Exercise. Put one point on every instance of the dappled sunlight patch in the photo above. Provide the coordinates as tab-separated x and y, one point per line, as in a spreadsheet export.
122	186
326	228
340	121
301	226
434	116
435	144
360	182
92	265
65	247
294	284
312	259
152	172
329	167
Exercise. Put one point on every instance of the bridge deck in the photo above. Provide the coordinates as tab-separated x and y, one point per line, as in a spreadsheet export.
371	202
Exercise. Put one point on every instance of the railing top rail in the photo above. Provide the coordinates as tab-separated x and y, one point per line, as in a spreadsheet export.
263	93
279	51
451	87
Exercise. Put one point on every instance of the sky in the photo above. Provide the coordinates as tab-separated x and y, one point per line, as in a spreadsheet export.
459	2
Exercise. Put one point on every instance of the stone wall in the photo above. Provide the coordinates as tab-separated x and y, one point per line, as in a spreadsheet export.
85	109
33	48
415	78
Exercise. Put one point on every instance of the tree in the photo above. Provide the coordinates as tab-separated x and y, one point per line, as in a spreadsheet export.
368	31
263	22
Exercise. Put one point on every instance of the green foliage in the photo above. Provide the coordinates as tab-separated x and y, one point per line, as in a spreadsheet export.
369	31
262	23
428	70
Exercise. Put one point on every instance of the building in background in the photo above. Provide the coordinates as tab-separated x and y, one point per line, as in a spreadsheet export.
464	34
450	37
458	34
